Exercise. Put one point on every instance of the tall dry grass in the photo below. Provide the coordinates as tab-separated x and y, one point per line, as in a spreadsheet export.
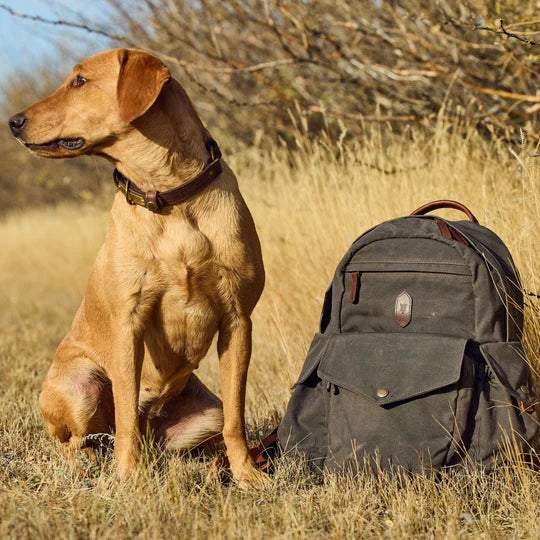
308	206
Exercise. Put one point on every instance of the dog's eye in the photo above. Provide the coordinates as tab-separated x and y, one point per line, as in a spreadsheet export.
78	81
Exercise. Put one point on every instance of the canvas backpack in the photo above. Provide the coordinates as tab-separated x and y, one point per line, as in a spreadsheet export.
418	363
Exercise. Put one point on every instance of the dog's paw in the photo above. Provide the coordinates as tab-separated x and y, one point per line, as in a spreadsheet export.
251	478
127	477
127	462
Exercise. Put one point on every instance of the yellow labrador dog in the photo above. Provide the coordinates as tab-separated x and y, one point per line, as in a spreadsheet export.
181	261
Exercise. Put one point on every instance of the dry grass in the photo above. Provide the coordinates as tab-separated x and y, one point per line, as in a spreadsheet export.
308	207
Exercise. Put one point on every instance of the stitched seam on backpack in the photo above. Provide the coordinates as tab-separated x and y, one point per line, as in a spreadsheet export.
455	426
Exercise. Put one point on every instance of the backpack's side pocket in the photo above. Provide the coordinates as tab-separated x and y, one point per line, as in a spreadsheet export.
507	407
302	431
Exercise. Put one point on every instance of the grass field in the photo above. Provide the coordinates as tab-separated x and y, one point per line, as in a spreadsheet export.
308	208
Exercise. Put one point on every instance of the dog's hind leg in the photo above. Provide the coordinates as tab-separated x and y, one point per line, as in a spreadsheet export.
75	401
189	419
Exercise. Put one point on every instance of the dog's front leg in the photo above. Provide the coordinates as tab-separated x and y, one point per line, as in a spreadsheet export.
234	349
127	354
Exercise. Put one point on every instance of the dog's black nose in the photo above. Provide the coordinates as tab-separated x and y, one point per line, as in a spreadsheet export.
17	123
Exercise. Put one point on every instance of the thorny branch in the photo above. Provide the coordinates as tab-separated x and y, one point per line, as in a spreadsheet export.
502	30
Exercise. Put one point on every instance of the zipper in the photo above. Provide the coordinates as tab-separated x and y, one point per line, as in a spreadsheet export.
391	267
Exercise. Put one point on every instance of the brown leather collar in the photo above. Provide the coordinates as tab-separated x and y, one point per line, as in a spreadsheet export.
156	200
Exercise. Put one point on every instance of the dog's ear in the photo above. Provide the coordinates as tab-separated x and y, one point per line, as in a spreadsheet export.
141	79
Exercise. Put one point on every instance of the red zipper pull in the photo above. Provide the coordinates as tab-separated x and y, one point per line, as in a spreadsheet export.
355	287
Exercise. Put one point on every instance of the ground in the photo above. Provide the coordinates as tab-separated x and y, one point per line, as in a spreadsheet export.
308	206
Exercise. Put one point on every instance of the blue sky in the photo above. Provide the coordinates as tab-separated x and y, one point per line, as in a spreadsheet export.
25	43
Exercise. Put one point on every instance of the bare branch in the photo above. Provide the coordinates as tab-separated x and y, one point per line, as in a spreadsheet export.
371	117
71	24
231	101
502	30
231	70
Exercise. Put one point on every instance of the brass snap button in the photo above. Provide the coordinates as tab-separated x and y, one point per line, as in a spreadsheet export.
382	392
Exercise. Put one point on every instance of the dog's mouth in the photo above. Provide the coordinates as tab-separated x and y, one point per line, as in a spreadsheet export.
68	144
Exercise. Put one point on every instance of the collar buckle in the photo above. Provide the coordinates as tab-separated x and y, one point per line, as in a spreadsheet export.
149	199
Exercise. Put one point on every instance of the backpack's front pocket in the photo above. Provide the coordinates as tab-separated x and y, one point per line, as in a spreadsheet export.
439	298
402	397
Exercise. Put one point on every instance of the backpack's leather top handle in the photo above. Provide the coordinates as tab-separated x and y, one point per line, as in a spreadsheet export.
435	205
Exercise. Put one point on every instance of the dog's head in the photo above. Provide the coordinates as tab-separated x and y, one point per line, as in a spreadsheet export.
94	106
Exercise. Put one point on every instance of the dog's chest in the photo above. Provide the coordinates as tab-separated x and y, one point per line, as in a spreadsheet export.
192	288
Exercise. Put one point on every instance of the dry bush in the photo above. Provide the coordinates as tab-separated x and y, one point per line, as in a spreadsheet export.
308	205
256	68
249	63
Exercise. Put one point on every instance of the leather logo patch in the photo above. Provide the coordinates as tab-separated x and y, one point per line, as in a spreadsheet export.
403	309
